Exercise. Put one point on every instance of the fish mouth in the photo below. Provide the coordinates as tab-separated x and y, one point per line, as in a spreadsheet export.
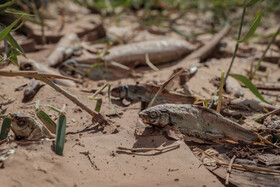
144	117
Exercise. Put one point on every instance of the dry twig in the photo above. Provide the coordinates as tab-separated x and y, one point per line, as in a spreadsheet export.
34	74
239	166
90	160
206	50
96	116
44	77
149	149
268	86
276	111
166	84
229	169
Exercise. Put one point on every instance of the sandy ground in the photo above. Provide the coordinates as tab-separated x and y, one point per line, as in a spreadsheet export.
91	157
35	164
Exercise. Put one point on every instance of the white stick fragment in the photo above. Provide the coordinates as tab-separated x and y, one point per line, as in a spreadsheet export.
64	49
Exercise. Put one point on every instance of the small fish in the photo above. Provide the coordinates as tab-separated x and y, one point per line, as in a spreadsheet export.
25	127
31	90
160	51
251	105
196	121
146	92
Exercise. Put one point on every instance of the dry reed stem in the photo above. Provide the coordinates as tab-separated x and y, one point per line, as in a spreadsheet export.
229	169
96	116
239	166
34	74
149	149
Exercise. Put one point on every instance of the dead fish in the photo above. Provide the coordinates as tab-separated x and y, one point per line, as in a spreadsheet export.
96	71
251	104
159	51
25	127
197	121
31	90
146	92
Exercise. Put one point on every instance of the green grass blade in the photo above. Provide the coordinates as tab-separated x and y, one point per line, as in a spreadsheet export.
7	30
60	134
251	3
6	5
264	53
97	92
98	104
6	125
46	120
14	43
253	27
3	116
111	104
13	56
19	13
54	108
249	85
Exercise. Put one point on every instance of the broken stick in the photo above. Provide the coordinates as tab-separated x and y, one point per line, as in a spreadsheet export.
269	86
206	50
34	74
164	85
229	169
239	166
149	149
95	116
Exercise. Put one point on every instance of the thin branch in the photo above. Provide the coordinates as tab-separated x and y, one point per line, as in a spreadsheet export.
229	169
34	74
164	85
96	116
206	50
239	166
276	111
149	149
268	86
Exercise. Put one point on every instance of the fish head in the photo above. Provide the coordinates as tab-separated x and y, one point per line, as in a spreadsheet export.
21	124
155	116
119	91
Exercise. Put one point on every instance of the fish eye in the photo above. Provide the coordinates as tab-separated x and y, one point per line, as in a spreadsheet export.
153	114
21	122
